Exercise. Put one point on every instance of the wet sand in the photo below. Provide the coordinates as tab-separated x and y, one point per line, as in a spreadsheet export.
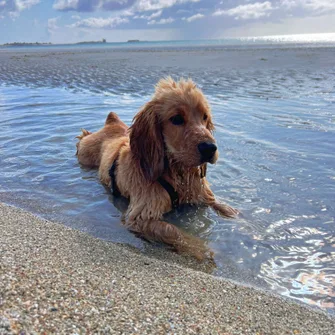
58	280
133	70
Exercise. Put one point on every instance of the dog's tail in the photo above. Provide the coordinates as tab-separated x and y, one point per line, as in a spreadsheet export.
81	136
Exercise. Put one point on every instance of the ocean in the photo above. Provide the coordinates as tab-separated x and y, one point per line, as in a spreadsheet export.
273	103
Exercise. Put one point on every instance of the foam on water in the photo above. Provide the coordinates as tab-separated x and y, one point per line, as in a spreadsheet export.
275	128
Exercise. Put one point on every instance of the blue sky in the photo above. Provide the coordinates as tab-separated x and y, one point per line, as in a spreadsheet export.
67	21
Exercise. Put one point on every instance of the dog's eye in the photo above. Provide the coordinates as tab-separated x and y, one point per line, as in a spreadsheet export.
177	120
205	117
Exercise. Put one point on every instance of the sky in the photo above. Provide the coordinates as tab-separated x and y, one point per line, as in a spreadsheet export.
68	21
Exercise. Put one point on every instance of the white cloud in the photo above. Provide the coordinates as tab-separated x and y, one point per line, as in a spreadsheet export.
289	8
288	4
149	17
162	21
147	5
319	6
114	5
155	14
247	12
128	12
65	4
25	4
52	25
286	26
91	5
314	7
99	23
193	17
14	7
75	17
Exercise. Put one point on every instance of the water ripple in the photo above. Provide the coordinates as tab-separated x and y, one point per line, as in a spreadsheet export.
275	127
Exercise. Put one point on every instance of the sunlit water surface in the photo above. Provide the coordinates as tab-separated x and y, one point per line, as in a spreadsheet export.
276	134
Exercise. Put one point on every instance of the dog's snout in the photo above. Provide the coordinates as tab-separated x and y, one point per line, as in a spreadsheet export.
207	151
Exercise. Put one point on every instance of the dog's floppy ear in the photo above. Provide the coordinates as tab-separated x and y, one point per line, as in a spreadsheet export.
147	143
210	126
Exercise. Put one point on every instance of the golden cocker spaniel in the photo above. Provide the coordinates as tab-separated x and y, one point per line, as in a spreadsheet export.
159	162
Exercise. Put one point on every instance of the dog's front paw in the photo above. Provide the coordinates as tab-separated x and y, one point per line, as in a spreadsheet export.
225	210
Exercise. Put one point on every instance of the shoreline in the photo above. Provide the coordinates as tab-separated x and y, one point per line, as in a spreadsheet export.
56	279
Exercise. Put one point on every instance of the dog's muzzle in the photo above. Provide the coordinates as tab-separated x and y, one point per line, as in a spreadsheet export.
207	151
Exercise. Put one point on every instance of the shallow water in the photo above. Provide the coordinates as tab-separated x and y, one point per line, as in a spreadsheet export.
275	127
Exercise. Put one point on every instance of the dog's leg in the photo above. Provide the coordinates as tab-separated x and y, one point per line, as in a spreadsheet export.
169	234
209	199
225	210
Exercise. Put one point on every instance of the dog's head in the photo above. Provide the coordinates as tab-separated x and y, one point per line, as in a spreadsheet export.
178	122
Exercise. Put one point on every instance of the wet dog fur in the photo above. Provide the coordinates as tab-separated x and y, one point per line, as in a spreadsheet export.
156	136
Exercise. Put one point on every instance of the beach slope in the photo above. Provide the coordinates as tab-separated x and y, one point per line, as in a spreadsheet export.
57	280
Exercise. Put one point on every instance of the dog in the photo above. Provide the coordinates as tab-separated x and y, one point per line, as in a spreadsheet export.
159	162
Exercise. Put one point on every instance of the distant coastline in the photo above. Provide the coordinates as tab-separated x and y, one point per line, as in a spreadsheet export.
327	39
20	44
27	44
93	42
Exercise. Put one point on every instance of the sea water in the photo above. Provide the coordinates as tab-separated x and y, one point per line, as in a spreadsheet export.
273	105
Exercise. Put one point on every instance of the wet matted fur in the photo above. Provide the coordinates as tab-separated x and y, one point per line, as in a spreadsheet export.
163	141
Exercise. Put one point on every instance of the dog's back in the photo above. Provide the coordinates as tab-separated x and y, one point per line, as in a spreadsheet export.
90	144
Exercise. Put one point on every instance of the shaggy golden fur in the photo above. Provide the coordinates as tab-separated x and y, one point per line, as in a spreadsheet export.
141	150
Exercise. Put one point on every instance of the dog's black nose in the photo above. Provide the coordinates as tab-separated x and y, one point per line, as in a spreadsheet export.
207	151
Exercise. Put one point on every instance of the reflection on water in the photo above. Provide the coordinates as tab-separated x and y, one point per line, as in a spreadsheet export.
276	134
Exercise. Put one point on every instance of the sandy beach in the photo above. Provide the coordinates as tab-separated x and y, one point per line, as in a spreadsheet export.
59	280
